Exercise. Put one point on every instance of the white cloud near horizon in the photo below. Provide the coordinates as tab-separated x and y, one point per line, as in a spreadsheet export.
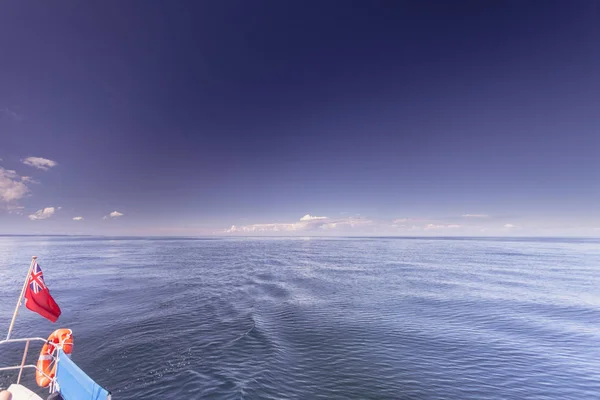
309	217
441	226
475	215
43	213
412	227
403	220
114	214
12	186
350	222
310	224
77	218
39	162
307	223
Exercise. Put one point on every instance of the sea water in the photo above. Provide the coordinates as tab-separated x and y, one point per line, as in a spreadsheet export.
318	318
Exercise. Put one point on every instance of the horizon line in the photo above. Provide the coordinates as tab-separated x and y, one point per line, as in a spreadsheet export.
299	236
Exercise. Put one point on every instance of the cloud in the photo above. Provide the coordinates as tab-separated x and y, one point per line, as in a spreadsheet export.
439	226
29	179
308	223
411	220
509	226
409	227
39	162
309	217
475	215
408	223
351	222
11	114
12	186
114	214
77	218
14	209
43	214
258	228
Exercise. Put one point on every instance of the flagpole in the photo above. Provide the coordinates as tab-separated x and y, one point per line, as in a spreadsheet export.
14	317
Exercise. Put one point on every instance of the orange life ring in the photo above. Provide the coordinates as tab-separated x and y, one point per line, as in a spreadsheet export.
62	338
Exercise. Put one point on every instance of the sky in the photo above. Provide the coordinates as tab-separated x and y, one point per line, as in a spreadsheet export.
408	118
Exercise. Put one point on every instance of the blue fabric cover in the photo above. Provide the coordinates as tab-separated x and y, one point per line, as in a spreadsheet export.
74	384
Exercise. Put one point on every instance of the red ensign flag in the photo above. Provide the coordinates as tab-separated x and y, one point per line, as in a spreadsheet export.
37	296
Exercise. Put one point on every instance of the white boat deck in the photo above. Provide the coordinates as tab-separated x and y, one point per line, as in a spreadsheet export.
20	392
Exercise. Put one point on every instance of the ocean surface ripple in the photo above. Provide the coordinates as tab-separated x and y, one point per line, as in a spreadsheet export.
319	318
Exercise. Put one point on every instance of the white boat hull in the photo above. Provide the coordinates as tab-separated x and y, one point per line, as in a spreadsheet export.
20	392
